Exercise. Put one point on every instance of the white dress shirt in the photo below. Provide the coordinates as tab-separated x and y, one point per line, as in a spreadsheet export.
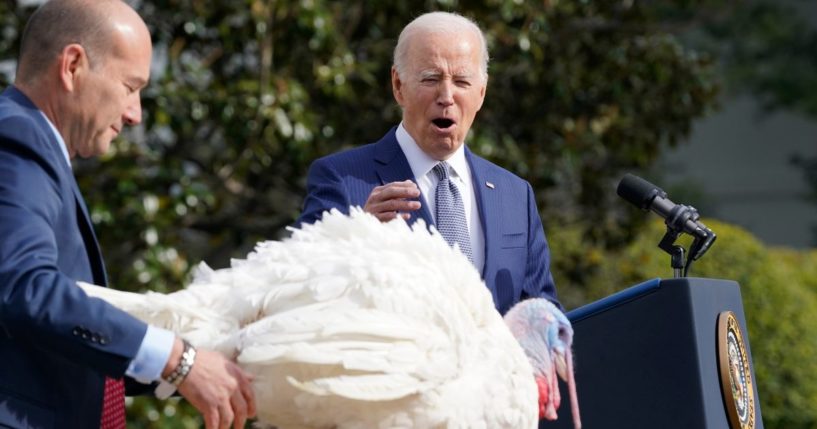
422	167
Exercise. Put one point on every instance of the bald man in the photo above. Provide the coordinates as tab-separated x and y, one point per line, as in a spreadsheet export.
63	355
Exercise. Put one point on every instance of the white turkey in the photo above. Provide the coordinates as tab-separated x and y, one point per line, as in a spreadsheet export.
353	323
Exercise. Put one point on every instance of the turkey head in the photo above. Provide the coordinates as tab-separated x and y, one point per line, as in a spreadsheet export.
546	336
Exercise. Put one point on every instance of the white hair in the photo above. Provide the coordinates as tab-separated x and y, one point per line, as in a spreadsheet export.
438	23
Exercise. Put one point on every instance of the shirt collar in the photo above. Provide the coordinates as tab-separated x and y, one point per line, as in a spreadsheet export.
421	164
60	141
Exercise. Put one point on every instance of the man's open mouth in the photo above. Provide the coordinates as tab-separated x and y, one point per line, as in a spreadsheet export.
443	123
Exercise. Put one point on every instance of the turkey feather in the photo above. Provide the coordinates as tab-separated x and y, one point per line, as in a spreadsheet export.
353	323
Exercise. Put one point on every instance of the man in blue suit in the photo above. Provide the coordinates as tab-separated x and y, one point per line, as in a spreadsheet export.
62	354
439	79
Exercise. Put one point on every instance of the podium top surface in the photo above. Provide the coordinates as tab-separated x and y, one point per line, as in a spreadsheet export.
640	290
614	300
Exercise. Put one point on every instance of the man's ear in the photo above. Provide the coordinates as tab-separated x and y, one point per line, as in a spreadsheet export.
73	63
482	93
396	85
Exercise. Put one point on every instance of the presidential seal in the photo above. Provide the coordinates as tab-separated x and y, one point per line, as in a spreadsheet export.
735	373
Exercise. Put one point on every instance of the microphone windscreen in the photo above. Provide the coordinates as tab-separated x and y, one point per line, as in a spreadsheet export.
637	191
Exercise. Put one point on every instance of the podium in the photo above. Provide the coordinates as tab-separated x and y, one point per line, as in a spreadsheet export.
648	357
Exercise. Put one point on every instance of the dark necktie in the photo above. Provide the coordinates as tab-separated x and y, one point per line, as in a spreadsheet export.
450	220
113	405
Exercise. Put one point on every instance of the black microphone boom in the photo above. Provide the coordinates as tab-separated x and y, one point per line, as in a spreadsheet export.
678	217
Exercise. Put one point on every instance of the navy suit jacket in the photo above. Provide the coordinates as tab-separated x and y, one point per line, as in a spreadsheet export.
56	343
517	259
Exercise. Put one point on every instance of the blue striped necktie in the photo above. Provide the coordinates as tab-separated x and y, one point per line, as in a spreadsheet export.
450	220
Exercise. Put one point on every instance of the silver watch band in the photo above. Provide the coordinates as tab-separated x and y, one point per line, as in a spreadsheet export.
185	365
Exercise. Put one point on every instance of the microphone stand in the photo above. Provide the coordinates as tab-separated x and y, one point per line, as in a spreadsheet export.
703	239
675	251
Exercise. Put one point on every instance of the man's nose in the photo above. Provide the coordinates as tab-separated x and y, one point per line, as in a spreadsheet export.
133	113
445	95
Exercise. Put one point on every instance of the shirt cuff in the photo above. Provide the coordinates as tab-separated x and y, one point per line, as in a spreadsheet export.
152	355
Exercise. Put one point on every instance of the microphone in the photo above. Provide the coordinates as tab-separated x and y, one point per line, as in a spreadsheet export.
678	217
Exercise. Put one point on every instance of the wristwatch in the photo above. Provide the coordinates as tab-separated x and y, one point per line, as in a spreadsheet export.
167	386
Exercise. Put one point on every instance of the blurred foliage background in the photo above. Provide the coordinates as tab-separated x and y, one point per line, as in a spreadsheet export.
245	94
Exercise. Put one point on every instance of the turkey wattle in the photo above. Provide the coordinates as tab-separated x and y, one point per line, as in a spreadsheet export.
354	323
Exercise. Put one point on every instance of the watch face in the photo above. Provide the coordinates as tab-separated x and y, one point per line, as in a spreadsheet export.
735	373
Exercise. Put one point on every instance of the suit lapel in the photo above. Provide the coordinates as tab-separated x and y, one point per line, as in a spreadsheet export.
87	231
391	165
489	204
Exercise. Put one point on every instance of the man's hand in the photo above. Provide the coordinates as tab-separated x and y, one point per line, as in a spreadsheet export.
217	387
220	390
390	200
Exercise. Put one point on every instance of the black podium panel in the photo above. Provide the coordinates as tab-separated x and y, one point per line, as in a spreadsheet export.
647	357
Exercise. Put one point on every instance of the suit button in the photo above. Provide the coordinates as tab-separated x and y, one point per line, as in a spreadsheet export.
85	335
75	332
95	338
103	340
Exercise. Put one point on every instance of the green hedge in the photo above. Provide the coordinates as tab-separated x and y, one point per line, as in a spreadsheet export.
779	290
